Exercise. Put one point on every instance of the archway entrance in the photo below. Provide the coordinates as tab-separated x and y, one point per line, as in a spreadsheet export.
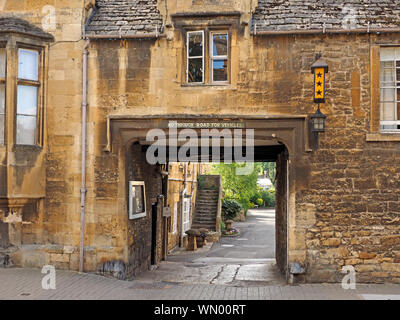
283	141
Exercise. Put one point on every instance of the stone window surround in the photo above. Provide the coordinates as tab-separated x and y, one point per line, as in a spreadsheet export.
208	31
12	42
375	134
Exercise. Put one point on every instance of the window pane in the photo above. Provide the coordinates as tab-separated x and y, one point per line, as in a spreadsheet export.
2	129
28	67
2	98
398	75
388	54
388	111
26	130
27	100
387	76
220	70
388	95
195	44
195	70
220	44
2	62
387	64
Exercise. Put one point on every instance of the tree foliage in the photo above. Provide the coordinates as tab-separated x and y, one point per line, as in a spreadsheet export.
270	169
238	187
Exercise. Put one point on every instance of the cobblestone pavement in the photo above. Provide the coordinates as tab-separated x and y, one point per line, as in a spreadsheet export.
18	283
246	260
240	268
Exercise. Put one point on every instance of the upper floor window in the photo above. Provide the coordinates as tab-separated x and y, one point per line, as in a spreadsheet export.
213	62
2	93
219	57
28	85
195	57
23	111
390	89
23	58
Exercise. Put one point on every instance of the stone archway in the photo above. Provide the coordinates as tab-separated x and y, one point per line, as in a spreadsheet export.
285	140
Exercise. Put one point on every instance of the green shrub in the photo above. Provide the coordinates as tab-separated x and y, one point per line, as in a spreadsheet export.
254	197
251	205
201	180
222	224
230	209
260	202
268	198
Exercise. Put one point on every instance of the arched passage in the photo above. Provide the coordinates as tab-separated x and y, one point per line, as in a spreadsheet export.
284	141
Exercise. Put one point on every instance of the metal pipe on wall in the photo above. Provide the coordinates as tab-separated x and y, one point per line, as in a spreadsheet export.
83	155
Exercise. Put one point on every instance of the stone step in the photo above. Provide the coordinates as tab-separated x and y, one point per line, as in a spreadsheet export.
206	213
206	207
206	204
204	219
202	209
208	191
206	199
208	226
208	195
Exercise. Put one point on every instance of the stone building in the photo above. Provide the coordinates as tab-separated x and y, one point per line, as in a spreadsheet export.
219	63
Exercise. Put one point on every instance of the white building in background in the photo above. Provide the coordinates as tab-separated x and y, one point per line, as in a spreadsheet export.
264	182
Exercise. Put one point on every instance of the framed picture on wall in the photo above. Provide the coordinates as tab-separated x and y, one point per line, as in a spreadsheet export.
137	199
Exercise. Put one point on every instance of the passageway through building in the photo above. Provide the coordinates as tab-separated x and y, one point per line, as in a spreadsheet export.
258	256
273	140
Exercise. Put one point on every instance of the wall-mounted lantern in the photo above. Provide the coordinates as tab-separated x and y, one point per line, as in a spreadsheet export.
318	121
319	69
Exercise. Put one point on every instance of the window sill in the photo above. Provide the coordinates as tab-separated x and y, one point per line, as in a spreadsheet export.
222	86
383	137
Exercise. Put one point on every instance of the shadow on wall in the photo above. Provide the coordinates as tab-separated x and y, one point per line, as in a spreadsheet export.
115	269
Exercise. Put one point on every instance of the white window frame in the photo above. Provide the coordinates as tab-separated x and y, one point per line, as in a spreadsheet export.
396	86
140	214
3	81
217	58
196	57
29	83
186	206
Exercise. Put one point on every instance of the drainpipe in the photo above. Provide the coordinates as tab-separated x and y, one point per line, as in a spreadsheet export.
83	152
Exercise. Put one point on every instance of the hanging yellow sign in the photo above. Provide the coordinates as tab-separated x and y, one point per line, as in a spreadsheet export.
319	84
320	68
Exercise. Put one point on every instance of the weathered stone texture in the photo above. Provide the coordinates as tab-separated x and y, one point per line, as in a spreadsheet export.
283	15
343	198
125	17
16	25
140	236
